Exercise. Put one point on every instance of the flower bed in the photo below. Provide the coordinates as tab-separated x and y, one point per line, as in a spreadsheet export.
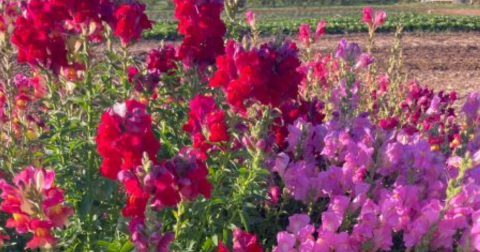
222	144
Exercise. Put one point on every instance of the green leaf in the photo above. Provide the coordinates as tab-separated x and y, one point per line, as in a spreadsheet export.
127	247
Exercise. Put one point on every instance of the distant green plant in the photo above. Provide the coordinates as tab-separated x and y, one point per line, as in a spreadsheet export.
166	29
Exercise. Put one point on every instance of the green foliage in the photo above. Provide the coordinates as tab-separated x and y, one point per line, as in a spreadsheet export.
165	29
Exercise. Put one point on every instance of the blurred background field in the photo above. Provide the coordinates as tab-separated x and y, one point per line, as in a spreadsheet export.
286	16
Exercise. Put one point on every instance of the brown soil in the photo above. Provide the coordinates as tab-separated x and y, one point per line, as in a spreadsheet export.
468	12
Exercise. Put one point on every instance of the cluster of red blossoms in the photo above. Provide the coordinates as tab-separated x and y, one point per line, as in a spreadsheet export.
129	149
162	60
203	30
206	120
43	28
124	135
161	64
130	22
38	35
36	206
267	74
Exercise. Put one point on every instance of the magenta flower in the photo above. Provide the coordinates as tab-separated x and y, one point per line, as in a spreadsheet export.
382	238
245	242
367	15
472	106
380	17
475	231
371	21
476	158
364	61
285	242
297	222
250	17
320	29
304	34
274	194
331	221
434	105
36	205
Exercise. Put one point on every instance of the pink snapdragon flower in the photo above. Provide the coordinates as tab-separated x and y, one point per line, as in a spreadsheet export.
36	205
250	17
305	33
373	19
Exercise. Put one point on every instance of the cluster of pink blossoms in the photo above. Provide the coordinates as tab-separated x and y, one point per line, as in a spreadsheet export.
373	19
36	206
399	189
305	36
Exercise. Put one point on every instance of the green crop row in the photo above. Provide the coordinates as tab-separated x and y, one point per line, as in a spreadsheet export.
166	29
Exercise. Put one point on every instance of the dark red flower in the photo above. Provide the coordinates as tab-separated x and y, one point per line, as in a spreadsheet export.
245	242
205	117
203	30
222	248
162	60
124	134
389	123
131	21
267	74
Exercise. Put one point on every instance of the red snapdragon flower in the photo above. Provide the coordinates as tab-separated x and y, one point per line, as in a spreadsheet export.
82	11
131	21
206	117
162	60
222	248
38	35
203	30
245	242
124	134
267	74
191	173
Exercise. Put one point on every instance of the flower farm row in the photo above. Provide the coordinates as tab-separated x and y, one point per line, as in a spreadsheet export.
166	29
